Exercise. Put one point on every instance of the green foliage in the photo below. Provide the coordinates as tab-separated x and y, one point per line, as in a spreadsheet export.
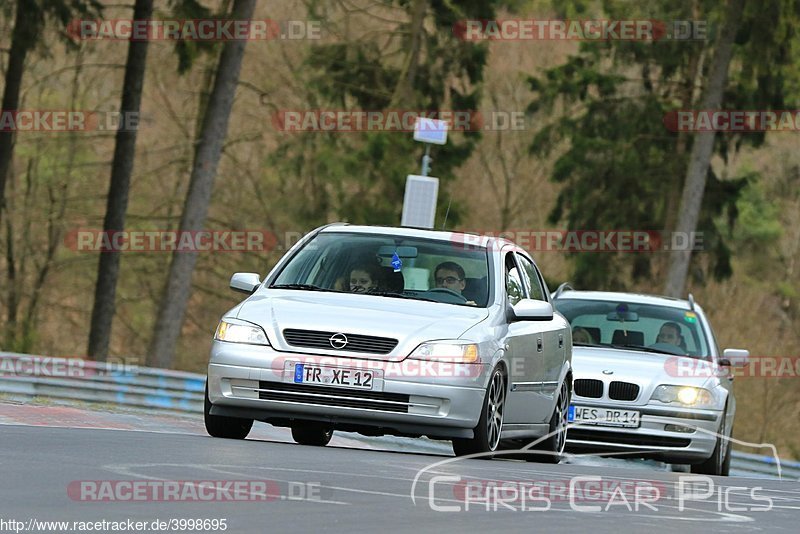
758	227
188	51
360	176
620	166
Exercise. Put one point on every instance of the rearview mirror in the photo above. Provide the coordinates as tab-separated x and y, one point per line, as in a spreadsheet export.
627	317
735	357
531	310
388	251
245	282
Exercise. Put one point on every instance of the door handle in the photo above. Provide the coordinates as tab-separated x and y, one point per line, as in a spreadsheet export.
539	345
560	341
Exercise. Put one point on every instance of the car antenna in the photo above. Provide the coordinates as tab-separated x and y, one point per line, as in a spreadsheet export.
691	302
446	213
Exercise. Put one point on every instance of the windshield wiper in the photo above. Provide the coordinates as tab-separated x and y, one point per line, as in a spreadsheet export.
644	349
397	295
304	287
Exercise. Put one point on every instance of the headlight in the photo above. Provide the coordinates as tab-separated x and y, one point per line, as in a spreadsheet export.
447	351
239	333
686	395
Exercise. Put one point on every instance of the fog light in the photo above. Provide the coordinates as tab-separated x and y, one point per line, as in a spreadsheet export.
678	428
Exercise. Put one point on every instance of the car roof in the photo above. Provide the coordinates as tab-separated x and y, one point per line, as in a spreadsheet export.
422	233
634	298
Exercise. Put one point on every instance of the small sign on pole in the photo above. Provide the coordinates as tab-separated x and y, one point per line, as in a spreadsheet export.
419	203
432	131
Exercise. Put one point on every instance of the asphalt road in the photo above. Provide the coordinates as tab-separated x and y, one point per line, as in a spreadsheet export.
347	489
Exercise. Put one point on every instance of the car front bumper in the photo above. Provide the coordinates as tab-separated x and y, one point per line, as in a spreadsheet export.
256	382
668	433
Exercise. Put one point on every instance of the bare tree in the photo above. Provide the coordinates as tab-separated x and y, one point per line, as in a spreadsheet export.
702	150
209	150
29	21
117	202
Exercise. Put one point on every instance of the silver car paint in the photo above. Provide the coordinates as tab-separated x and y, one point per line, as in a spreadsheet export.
649	370
446	406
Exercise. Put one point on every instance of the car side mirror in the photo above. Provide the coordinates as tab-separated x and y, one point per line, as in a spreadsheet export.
245	282
531	310
735	357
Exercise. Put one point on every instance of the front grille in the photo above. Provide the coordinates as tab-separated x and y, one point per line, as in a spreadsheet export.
623	391
587	387
316	339
331	396
624	438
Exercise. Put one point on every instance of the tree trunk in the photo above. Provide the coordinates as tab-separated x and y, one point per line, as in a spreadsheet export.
404	90
117	203
26	26
702	150
209	150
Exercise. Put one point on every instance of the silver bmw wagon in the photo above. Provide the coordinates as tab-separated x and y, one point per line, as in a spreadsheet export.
399	331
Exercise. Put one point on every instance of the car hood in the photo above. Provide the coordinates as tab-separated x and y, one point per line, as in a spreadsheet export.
411	322
647	369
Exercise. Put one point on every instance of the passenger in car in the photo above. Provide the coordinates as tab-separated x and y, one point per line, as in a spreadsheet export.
364	278
581	335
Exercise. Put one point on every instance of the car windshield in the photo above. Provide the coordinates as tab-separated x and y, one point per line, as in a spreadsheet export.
390	266
634	326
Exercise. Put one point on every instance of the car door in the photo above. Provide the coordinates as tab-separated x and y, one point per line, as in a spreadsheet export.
555	337
525	349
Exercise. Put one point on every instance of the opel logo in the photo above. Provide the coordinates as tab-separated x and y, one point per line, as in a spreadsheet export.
605	371
338	341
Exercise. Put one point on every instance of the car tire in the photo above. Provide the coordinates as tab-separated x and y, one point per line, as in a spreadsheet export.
309	433
490	424
720	462
220	426
550	450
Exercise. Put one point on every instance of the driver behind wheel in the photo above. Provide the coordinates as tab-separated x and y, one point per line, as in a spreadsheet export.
450	275
669	333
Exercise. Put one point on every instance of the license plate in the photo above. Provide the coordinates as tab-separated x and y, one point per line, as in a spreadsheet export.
603	416
333	376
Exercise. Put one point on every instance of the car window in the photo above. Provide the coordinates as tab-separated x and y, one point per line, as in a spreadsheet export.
514	284
393	266
629	325
531	278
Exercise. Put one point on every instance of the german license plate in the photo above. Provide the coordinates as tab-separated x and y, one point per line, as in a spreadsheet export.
333	376
589	415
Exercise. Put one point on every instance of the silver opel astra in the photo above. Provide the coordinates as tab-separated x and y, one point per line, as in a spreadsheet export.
396	331
650	379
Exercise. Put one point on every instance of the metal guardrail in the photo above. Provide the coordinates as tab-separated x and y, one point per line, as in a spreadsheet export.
24	377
